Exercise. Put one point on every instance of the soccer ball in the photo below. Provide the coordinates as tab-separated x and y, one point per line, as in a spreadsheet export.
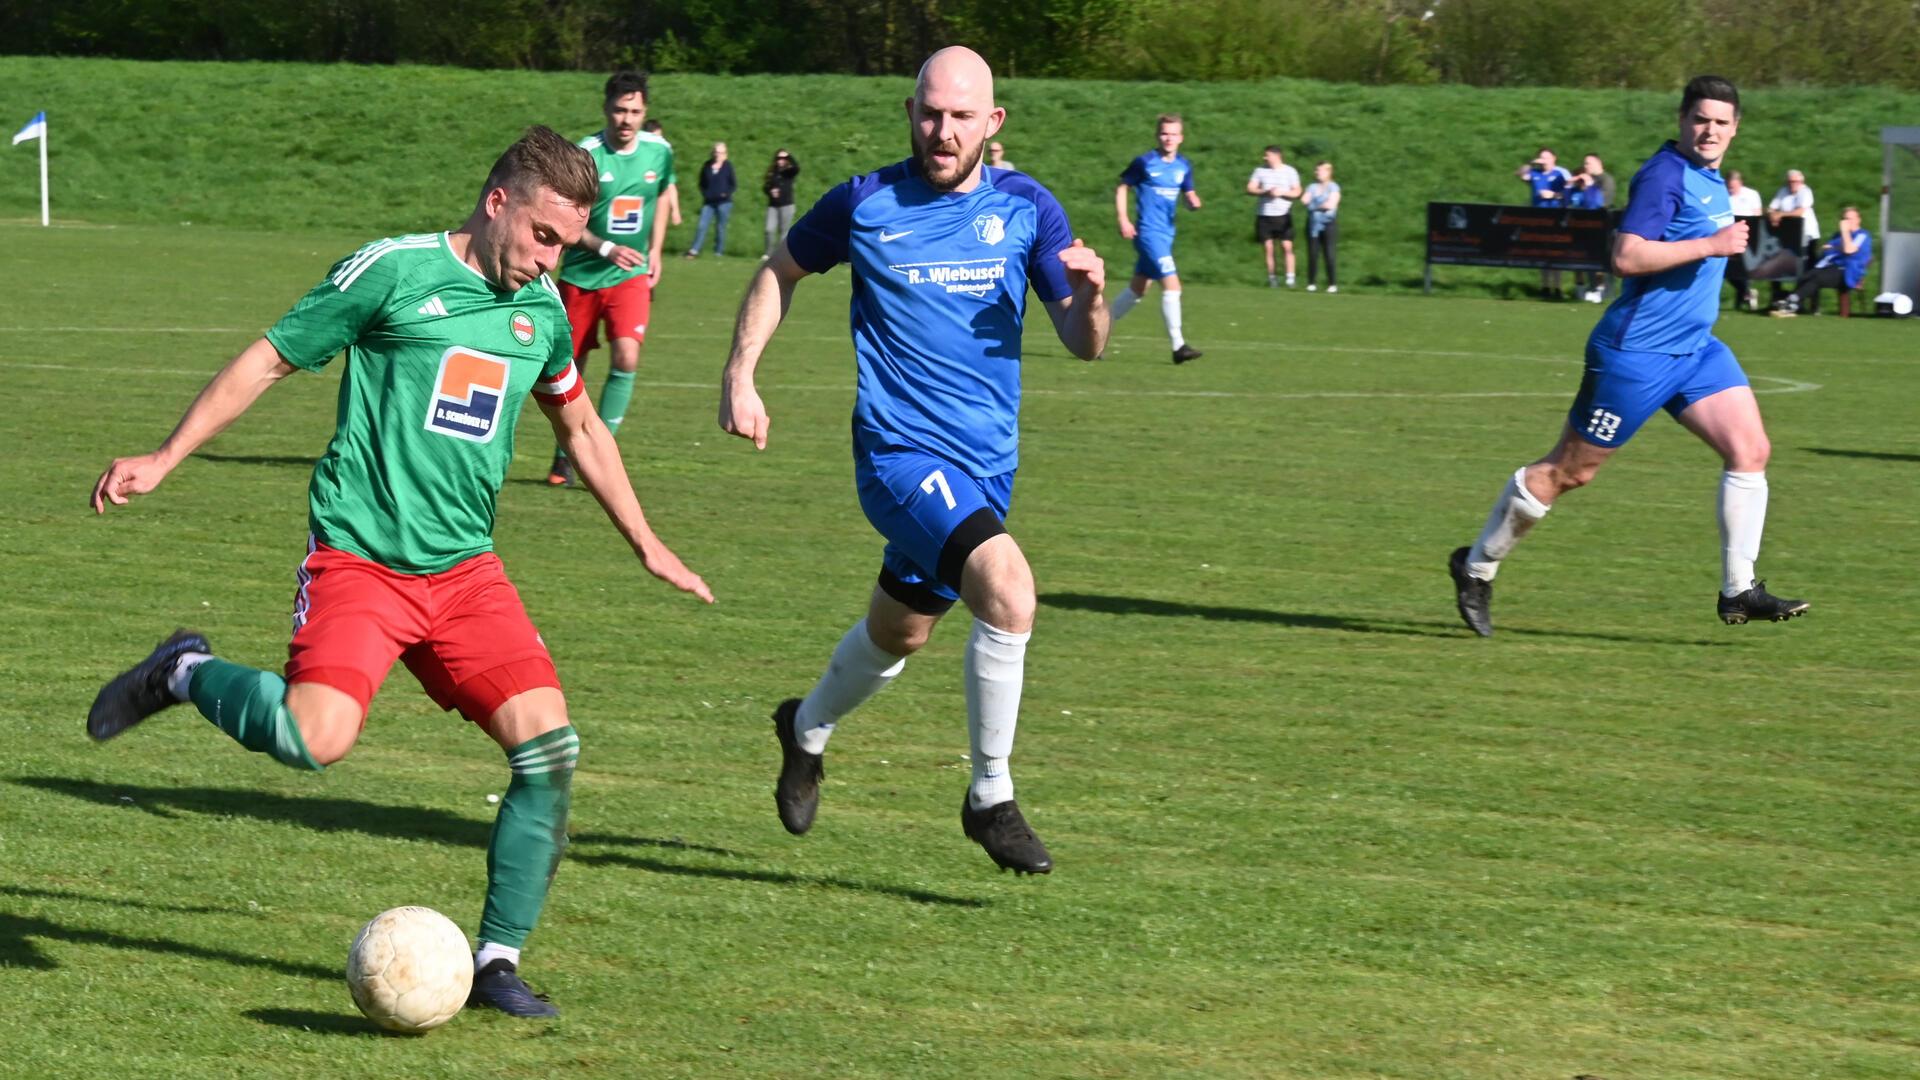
410	969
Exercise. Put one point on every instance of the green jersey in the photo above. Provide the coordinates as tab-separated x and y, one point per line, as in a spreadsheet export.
631	185
439	362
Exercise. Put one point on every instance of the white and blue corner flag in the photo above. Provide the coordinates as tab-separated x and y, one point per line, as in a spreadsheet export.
36	129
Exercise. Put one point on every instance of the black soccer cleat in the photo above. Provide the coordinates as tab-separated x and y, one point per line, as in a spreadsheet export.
560	474
1473	596
1005	835
797	794
141	690
1185	353
1758	604
499	986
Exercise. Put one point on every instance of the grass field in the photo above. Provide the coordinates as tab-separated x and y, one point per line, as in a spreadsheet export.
1306	826
369	150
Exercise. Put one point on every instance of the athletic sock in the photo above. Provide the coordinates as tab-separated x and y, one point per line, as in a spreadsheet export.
1743	515
181	678
1513	515
859	669
250	705
1170	311
1123	304
490	951
529	836
614	399
995	669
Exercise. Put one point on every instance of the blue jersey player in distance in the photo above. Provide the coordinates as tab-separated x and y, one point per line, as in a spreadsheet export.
1654	349
942	251
1162	178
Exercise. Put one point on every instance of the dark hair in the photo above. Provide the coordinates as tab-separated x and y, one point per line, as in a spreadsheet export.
1709	88
623	83
650	125
1169	118
543	158
1275	150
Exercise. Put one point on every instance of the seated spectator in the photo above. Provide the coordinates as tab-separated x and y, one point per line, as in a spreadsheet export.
1842	266
1795	200
1547	183
1746	204
997	157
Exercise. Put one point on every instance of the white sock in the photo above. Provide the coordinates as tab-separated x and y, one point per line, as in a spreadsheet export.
859	669
489	952
1513	515
182	675
1170	311
1122	304
1743	515
994	671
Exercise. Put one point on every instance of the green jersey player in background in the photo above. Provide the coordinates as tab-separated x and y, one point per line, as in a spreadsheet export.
610	273
445	335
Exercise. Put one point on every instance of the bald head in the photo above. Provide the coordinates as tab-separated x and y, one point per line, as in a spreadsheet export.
952	116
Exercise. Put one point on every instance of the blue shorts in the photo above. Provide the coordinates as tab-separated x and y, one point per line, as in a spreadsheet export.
933	515
1622	389
1156	256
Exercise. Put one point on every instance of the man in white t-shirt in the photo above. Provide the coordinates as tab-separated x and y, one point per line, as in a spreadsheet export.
1795	199
1276	184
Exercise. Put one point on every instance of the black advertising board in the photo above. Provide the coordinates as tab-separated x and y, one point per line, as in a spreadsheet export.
1483	234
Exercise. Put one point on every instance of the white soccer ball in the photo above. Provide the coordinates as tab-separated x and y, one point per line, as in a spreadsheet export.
410	969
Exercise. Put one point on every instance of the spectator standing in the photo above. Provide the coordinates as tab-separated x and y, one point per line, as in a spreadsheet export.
717	185
1547	184
779	188
1592	189
1323	227
1746	205
1795	200
1276	184
1842	265
997	158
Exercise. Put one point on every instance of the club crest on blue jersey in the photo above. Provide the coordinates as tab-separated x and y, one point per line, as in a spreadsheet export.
976	276
990	228
467	395
624	215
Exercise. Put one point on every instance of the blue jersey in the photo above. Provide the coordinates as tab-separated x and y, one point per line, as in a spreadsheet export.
1549	185
939	295
1672	311
1158	183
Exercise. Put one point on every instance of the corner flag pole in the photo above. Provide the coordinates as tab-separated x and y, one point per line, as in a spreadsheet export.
37	129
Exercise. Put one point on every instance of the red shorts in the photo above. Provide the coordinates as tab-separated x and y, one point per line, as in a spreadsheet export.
462	632
624	307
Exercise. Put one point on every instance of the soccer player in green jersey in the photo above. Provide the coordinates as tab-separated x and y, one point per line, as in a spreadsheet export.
445	335
605	280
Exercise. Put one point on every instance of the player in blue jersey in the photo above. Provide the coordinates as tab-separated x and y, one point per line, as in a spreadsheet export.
1162	178
942	251
1654	349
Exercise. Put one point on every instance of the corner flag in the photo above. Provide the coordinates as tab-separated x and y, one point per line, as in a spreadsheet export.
37	129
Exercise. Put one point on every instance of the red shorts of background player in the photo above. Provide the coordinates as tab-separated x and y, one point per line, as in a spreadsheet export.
624	307
462	632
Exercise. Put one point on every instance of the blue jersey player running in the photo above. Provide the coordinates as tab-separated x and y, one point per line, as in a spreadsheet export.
942	252
1162	178
1654	349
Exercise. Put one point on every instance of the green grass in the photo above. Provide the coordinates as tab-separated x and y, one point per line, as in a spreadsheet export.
375	151
1306	826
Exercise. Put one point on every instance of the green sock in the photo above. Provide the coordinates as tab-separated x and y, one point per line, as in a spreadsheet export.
529	835
250	705
614	399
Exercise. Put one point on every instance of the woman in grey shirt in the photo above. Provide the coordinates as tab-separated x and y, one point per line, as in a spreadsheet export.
1323	228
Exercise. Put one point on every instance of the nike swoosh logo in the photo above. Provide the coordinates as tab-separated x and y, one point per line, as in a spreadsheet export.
887	237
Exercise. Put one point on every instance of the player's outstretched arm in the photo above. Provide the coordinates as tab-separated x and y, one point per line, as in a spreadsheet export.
1081	319
596	458
768	294
229	394
1634	256
1127	231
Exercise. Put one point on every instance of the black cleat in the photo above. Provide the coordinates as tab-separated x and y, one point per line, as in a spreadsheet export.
1004	833
1757	603
560	474
797	794
1185	353
499	986
1473	596
141	690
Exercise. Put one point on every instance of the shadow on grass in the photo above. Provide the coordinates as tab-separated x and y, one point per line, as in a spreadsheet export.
1137	605
323	1023
257	459
143	905
774	877
17	949
1874	455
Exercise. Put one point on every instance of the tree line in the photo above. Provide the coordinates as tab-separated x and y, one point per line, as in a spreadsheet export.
1648	44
